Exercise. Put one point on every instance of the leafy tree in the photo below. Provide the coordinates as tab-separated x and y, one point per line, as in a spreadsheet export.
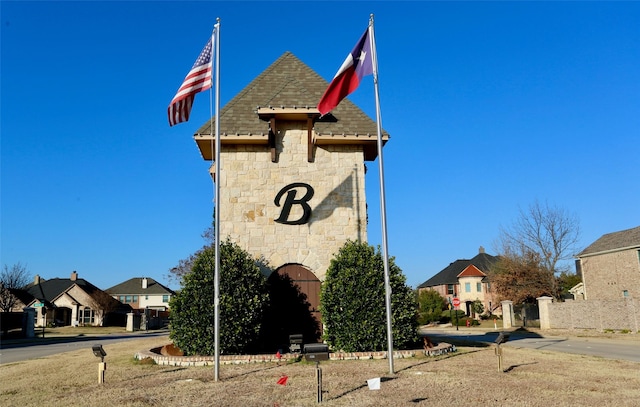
352	301
478	307
12	278
430	306
521	279
567	281
243	297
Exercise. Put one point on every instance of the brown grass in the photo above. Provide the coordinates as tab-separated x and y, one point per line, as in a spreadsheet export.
469	377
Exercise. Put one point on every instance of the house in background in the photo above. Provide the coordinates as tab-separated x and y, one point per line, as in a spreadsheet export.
466	280
67	301
610	266
142	293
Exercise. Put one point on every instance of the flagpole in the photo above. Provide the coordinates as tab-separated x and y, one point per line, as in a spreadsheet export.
383	209
216	221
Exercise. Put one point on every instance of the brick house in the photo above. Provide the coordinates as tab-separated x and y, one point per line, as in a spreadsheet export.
610	266
468	281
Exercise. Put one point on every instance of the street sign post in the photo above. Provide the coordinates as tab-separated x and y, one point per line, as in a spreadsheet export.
456	304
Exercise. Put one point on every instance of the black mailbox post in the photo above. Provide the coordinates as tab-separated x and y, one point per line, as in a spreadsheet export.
295	343
315	352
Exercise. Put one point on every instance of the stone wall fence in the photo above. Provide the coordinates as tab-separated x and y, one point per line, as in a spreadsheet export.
601	315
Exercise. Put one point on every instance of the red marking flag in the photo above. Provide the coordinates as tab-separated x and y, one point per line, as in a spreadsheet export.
359	63
283	380
197	80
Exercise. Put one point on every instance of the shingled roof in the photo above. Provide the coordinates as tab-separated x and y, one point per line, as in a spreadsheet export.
50	290
623	239
449	275
134	286
287	83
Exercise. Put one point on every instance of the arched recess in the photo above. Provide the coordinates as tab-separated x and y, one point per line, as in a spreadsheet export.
295	293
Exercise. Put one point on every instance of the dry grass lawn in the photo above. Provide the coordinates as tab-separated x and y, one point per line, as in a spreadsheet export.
469	377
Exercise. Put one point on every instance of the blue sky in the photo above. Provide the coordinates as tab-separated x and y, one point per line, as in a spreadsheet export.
490	106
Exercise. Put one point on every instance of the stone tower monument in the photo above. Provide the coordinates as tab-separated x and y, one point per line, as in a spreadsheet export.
292	184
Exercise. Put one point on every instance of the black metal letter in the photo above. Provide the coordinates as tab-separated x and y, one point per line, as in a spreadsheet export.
290	200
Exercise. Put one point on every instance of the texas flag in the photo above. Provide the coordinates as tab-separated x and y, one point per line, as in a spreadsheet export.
357	65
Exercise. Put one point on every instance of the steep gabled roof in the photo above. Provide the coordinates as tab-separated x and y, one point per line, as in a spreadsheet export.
50	290
287	83
449	275
133	286
472	271
623	239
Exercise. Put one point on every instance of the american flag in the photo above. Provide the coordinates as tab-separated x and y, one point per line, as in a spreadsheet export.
197	80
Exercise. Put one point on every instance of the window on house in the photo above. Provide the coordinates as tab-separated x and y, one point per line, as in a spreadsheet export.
121	298
135	298
128	299
86	316
165	298
479	287
488	287
467	287
450	290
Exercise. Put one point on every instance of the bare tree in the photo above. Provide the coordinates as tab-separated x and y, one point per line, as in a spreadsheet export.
102	303
12	278
533	250
549	231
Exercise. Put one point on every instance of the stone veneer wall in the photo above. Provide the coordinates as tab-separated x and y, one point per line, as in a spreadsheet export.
607	275
250	181
595	314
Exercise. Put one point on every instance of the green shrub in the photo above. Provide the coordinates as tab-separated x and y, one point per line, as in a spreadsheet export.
353	304
430	306
243	297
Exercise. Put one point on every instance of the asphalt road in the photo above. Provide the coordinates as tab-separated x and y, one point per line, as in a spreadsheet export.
16	351
602	347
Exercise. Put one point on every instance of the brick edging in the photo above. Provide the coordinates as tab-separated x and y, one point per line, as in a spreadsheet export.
440	349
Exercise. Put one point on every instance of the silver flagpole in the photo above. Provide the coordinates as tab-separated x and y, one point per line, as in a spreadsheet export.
216	226
383	209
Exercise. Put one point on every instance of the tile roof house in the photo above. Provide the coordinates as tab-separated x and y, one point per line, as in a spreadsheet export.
68	301
466	280
610	266
142	293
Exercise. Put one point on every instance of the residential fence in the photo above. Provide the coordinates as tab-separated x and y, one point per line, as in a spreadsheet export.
602	315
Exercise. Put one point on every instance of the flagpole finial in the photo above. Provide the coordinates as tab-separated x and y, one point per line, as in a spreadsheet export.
371	18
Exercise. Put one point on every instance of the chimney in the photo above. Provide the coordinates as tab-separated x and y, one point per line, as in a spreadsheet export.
74	276
36	280
144	283
481	250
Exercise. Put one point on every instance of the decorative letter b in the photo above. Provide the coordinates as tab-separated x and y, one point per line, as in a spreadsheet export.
291	200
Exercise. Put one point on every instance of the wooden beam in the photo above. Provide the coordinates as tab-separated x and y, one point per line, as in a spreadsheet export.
272	138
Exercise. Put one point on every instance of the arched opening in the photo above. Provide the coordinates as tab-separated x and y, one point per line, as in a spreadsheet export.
294	308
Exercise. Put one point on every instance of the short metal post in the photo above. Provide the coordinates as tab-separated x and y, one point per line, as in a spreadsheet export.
319	381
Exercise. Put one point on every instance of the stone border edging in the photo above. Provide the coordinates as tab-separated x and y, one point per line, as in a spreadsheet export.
441	349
